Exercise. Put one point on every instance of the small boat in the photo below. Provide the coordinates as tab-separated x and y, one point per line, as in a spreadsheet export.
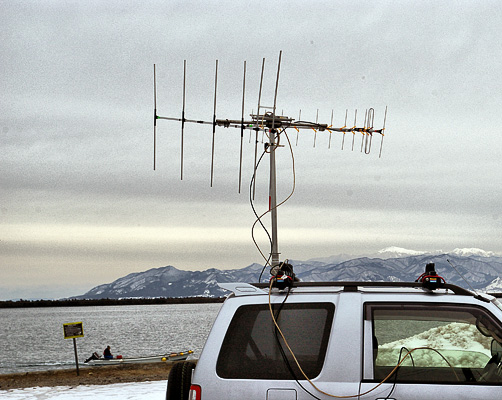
95	359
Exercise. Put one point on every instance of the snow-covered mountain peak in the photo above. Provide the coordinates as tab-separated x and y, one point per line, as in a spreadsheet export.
495	286
473	252
394	251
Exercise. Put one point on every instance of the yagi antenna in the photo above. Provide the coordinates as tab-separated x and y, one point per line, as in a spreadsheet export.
266	120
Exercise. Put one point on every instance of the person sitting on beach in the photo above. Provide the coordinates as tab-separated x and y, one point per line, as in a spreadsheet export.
108	353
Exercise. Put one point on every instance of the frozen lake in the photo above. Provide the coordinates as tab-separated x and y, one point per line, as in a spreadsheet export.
32	339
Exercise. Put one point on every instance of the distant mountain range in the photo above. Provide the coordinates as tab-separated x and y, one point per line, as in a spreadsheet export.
481	269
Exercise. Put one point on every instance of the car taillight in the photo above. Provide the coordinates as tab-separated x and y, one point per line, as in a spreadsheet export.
195	392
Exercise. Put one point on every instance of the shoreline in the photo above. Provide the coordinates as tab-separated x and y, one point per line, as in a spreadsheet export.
92	375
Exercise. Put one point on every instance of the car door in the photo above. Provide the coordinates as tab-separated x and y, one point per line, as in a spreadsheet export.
425	350
254	360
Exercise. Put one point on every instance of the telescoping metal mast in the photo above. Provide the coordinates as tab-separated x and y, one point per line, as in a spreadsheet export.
267	120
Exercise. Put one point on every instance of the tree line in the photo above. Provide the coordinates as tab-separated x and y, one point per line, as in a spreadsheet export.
108	302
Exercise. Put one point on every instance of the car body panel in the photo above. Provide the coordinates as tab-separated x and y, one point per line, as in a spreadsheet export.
348	364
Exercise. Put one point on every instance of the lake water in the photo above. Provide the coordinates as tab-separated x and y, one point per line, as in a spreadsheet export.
32	339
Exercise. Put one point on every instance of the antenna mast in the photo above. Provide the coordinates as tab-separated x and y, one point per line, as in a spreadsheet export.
273	125
273	178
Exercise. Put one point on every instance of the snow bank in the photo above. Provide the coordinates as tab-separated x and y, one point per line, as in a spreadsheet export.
461	344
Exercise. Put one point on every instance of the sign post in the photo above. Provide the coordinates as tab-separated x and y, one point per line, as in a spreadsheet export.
73	330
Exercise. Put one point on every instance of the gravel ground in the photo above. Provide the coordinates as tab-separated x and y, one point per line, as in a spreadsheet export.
101	375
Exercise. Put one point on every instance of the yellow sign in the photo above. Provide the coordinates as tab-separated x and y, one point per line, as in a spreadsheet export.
73	330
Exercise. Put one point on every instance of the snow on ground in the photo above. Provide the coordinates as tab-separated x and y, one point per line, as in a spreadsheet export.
461	343
123	391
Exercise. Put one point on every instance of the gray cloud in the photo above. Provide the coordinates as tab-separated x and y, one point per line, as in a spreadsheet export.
80	200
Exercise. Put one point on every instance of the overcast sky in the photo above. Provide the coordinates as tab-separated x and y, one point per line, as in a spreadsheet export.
80	203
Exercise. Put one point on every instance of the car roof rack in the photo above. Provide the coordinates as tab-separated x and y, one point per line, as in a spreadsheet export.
353	286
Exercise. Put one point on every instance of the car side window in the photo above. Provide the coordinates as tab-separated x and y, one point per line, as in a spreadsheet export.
435	343
254	349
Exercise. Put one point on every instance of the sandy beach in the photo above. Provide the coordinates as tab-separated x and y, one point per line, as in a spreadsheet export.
102	375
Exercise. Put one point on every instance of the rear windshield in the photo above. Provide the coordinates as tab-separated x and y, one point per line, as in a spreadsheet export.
254	349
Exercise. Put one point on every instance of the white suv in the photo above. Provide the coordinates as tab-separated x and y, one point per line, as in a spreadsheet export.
364	340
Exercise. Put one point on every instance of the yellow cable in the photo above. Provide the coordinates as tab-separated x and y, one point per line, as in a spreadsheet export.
348	396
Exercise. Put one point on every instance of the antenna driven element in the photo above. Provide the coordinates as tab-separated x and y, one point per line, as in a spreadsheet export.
370	119
383	129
